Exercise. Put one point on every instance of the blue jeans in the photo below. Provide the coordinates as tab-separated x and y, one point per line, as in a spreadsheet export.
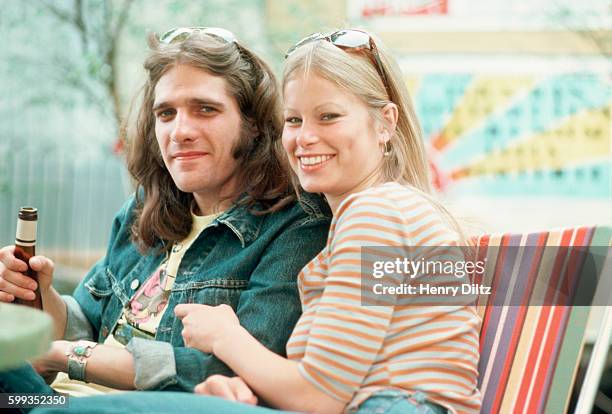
396	402
384	402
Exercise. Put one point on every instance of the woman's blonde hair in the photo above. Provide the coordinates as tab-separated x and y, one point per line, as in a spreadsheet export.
355	71
406	162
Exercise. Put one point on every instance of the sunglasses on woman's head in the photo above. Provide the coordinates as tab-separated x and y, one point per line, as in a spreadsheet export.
350	40
183	33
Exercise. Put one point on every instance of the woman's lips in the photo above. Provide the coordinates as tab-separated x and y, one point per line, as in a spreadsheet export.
314	162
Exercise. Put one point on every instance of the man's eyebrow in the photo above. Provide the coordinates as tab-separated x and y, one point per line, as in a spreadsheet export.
192	101
206	101
159	105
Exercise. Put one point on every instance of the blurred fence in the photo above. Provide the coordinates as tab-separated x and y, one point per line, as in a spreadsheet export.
77	194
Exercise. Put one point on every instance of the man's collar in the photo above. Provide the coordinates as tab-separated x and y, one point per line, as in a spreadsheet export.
244	224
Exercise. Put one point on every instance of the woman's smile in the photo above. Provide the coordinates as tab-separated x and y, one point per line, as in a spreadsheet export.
314	162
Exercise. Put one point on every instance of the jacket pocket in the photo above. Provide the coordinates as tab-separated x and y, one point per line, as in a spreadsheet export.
100	285
104	284
211	292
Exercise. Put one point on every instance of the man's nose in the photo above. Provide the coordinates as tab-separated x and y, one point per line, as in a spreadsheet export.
184	128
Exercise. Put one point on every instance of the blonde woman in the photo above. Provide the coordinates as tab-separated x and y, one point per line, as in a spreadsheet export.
350	133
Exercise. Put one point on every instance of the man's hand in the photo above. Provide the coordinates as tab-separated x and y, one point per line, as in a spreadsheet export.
53	361
233	389
14	283
204	326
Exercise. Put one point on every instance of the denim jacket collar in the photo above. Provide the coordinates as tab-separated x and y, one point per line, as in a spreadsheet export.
242	222
240	219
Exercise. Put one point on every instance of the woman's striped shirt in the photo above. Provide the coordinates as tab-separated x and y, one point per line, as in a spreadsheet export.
349	350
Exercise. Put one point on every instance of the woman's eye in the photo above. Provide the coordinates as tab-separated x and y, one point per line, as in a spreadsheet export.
329	117
207	109
292	120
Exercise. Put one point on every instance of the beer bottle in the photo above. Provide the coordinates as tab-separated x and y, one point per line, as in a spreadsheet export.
25	246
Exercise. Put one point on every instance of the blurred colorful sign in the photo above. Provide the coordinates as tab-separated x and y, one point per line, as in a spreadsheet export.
518	134
372	8
478	15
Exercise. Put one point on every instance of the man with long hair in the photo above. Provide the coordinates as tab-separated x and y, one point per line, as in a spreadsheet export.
213	221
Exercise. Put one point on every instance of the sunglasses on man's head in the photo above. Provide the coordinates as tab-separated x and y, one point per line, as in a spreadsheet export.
350	40
183	33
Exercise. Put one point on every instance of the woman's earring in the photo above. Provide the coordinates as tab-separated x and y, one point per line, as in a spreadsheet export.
386	150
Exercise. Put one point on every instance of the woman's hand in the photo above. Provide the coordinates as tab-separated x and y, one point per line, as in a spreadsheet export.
204	327
233	389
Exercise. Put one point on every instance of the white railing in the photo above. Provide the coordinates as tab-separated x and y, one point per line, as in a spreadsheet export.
77	194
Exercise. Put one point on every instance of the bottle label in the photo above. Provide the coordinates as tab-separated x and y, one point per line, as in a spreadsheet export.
26	233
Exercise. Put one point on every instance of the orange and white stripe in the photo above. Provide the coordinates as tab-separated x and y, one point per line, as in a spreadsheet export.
349	350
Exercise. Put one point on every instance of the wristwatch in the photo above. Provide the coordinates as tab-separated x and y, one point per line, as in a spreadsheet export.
77	358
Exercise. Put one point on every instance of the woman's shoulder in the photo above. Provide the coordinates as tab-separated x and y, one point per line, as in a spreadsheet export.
393	208
390	198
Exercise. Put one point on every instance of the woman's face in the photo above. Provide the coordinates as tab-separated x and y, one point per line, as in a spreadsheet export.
330	138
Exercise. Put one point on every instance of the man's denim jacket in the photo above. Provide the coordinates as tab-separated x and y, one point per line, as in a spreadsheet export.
247	261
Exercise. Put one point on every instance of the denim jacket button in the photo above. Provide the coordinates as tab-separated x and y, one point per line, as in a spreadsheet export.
134	284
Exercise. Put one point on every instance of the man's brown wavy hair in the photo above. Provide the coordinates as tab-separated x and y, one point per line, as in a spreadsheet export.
163	212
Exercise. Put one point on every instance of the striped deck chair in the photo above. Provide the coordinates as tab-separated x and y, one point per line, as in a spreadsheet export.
529	355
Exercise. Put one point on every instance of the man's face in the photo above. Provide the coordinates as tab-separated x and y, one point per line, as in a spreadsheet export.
197	125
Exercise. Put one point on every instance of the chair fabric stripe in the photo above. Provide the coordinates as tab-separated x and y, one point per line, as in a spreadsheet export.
529	354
